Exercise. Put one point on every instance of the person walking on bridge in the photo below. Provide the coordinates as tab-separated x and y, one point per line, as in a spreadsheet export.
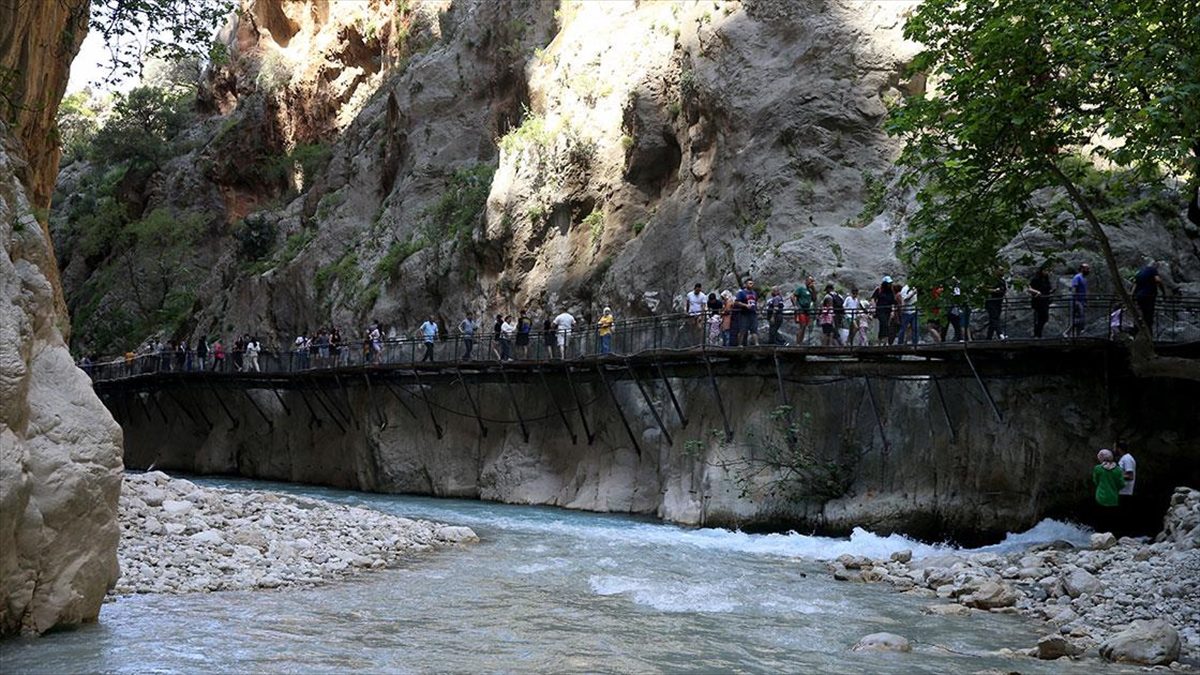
202	353
548	335
1079	292
466	329
524	330
252	349
218	356
855	315
507	329
563	323
696	302
803	300
995	307
1147	284
604	329
429	333
775	318
884	300
1039	298
746	302
376	336
908	313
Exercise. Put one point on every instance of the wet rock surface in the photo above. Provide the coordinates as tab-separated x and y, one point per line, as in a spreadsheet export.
198	539
1126	600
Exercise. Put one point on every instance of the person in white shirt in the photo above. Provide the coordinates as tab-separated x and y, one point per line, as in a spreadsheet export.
252	350
429	333
301	354
852	306
507	328
1128	466
908	313
563	323
697	301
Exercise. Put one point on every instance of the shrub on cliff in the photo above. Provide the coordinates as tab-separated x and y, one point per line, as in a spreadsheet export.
142	127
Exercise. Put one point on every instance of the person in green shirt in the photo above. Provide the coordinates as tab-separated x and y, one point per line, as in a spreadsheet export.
803	300
1108	479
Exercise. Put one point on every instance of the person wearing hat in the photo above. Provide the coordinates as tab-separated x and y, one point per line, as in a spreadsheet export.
604	328
884	299
1109	480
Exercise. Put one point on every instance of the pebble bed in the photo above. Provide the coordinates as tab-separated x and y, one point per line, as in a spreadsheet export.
1088	598
178	537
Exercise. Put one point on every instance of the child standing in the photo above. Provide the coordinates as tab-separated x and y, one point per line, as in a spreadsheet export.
826	320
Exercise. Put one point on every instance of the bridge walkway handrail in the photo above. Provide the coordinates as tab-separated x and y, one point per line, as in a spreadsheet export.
1177	319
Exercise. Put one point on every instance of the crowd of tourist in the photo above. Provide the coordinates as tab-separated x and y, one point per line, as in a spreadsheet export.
889	313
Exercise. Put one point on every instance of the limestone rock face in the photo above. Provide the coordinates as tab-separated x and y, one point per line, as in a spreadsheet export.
37	45
60	450
1151	643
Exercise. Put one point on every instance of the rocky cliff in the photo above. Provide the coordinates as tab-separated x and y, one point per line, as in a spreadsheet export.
383	160
60	450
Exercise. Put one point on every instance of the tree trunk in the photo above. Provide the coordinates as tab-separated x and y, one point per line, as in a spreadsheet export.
1143	360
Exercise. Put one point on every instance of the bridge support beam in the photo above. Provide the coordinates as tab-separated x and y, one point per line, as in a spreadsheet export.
620	412
217	395
428	406
471	400
649	404
937	385
887	447
557	406
259	410
325	406
349	415
199	408
512	397
712	380
401	401
579	405
374	405
158	406
986	393
671	392
279	397
313	416
171	395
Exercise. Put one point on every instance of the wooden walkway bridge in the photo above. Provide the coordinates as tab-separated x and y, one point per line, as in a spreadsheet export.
408	382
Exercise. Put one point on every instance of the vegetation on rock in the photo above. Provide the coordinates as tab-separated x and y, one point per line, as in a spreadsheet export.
1023	88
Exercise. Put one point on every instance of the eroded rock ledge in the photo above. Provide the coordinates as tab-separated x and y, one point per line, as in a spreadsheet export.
178	537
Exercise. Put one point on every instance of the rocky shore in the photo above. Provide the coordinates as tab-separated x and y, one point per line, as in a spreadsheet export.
1124	600
178	537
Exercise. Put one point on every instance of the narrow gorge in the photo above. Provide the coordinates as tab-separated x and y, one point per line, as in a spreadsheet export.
360	168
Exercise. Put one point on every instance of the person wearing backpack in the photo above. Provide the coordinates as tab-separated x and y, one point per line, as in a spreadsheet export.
524	329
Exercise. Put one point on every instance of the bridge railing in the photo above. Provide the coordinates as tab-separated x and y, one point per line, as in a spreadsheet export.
1176	319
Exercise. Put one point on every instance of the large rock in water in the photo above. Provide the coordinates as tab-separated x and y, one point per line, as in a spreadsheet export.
882	642
60	451
1151	643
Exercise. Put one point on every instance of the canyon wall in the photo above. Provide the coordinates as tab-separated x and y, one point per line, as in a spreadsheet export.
920	468
60	450
387	160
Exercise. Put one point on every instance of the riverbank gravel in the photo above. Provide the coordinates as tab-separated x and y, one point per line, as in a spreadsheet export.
1119	599
178	537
